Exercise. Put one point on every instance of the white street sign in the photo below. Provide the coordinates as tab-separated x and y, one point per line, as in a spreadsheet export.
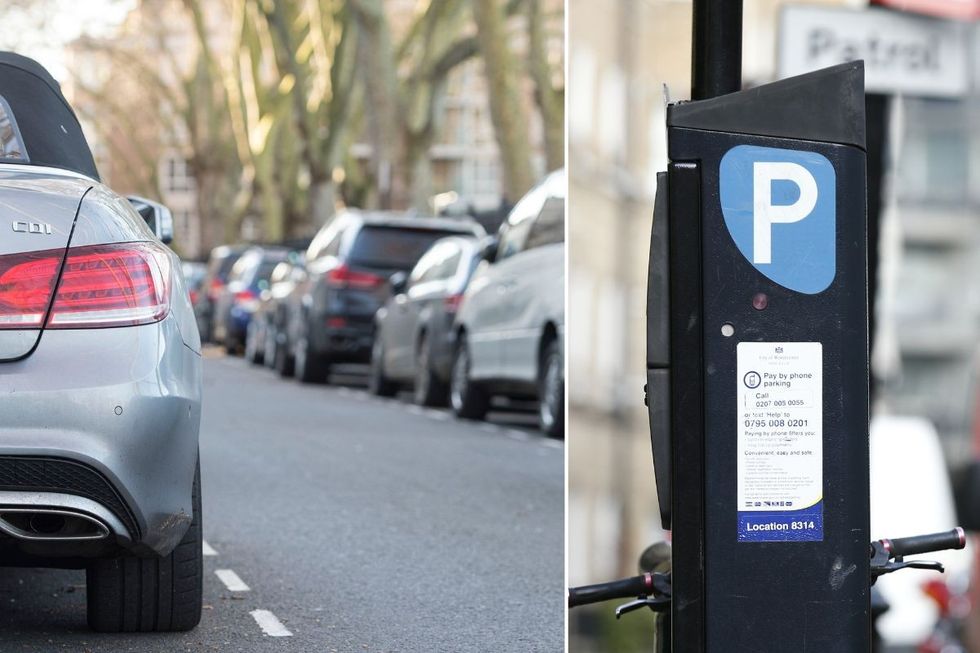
902	53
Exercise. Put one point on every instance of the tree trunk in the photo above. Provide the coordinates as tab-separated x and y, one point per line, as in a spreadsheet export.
550	101
507	110
420	178
323	198
376	57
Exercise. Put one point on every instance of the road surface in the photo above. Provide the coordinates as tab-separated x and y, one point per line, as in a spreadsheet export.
356	524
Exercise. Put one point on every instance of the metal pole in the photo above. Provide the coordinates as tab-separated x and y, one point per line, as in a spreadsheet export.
716	48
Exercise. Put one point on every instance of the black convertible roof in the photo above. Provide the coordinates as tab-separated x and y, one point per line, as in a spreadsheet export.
48	130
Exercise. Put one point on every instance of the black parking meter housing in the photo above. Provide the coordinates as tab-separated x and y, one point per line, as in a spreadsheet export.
758	354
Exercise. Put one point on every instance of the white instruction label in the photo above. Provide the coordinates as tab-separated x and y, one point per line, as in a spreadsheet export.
780	441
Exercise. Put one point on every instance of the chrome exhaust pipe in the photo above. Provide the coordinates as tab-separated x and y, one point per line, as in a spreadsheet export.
46	523
50	524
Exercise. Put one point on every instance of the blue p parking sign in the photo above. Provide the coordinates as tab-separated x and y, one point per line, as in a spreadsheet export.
780	209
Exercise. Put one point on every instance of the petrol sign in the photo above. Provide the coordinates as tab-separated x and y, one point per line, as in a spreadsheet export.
902	53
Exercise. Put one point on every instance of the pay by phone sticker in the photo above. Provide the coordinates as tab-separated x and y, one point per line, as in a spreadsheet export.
780	441
780	208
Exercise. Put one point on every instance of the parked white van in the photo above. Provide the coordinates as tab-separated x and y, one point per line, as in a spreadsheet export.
509	334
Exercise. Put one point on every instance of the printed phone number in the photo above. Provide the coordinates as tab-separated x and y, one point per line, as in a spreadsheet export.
775	423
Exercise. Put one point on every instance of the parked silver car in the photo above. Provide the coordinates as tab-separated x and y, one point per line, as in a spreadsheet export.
100	374
510	327
414	340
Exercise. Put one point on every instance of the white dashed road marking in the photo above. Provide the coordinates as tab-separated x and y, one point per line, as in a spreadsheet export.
437	414
269	624
208	549
514	434
231	580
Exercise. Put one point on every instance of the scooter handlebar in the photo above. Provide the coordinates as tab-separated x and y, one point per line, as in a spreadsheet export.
906	546
617	589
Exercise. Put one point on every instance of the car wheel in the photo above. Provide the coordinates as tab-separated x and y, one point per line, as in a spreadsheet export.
158	594
429	389
283	361
468	399
310	367
271	348
551	391
252	353
233	346
379	384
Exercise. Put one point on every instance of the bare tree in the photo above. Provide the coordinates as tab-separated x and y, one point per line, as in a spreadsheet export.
314	45
508	112
165	104
549	88
405	84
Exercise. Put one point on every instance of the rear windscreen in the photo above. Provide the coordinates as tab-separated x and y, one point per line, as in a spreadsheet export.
265	269
393	247
221	267
11	143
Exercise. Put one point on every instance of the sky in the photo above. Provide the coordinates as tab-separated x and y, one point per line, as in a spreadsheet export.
42	31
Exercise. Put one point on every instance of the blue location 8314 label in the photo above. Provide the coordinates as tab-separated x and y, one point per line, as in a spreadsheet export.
780	441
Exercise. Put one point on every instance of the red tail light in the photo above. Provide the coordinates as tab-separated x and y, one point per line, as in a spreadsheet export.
103	285
217	285
344	277
112	285
244	295
452	302
193	294
26	284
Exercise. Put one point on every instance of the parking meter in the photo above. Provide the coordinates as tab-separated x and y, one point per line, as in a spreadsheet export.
758	366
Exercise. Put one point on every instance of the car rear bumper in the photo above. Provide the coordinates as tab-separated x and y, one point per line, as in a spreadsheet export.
350	340
105	421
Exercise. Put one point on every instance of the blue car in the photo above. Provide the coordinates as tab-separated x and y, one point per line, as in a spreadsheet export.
241	296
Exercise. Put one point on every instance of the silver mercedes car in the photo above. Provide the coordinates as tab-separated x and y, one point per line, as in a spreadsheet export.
100	374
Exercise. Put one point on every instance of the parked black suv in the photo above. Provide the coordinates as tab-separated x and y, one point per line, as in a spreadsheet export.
330	315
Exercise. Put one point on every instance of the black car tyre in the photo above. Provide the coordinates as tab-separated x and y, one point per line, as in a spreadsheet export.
379	384
468	399
429	389
270	350
283	362
233	346
158	594
252	353
551	390
309	366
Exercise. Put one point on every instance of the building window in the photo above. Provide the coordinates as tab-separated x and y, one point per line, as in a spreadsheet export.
178	178
486	176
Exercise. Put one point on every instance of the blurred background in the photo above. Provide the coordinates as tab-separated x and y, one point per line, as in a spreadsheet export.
923	113
203	105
